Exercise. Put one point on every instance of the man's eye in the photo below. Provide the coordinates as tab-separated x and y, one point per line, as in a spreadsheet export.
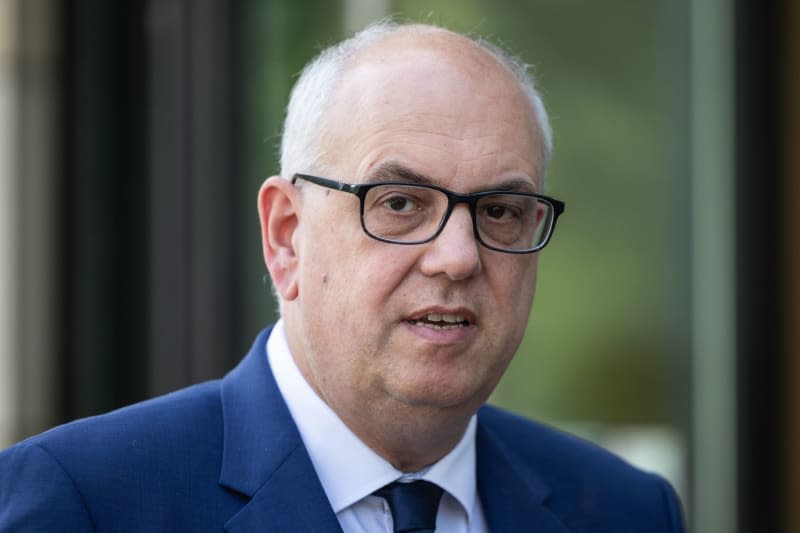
399	204
498	212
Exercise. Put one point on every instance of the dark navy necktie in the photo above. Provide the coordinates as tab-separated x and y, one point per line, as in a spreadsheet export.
414	505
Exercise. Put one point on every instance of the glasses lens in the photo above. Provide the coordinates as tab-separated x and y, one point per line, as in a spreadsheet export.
513	222
409	214
403	213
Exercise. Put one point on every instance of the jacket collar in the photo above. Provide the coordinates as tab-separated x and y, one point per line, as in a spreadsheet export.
513	497
263	455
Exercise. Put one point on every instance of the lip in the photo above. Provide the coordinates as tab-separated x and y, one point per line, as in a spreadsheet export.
448	332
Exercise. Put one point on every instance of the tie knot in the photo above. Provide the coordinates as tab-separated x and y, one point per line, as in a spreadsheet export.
414	505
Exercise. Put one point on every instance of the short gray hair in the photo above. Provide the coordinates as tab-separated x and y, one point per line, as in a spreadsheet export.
302	143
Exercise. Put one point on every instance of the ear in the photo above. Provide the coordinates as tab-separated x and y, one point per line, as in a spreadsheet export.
278	211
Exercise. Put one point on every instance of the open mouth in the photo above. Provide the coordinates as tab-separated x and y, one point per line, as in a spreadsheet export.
440	321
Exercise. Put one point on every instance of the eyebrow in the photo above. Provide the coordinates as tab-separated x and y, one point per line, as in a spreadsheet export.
396	171
392	171
516	185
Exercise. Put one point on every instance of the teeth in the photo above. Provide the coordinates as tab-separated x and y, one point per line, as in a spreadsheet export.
453	318
442	321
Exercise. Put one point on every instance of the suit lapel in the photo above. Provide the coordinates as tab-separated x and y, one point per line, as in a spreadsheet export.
291	500
264	457
513	498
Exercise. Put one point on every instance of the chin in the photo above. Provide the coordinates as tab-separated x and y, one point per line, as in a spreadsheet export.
438	395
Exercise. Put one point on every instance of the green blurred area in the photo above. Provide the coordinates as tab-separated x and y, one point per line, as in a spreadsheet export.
608	338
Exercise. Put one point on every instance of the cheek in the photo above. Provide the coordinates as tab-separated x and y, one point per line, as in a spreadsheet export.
372	269
515	286
324	242
355	277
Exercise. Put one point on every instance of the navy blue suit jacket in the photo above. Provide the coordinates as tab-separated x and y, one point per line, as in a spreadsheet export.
227	455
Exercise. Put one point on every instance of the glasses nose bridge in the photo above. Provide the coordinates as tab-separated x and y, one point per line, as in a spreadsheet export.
453	199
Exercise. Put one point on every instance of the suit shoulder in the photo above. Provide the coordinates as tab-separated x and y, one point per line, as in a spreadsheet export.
150	428
581	474
526	437
37	494
145	466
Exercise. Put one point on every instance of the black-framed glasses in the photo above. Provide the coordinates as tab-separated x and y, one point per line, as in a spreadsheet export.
409	213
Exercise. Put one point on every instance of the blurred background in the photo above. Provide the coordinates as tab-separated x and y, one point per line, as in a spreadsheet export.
134	136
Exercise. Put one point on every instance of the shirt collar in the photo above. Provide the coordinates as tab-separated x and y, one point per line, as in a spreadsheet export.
348	469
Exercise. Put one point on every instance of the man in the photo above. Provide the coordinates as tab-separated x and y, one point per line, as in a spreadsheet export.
402	240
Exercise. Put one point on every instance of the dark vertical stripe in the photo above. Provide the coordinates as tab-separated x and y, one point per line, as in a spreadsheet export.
759	262
187	144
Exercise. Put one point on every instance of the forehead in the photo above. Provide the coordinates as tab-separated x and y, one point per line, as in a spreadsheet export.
438	103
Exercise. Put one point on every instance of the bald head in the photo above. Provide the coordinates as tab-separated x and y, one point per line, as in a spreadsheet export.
451	46
310	131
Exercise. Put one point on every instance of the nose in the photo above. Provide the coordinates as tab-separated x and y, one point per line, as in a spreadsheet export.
454	252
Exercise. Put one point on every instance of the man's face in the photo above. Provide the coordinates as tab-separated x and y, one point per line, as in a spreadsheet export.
432	325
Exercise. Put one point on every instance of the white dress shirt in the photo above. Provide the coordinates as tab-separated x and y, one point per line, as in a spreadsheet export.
350	471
